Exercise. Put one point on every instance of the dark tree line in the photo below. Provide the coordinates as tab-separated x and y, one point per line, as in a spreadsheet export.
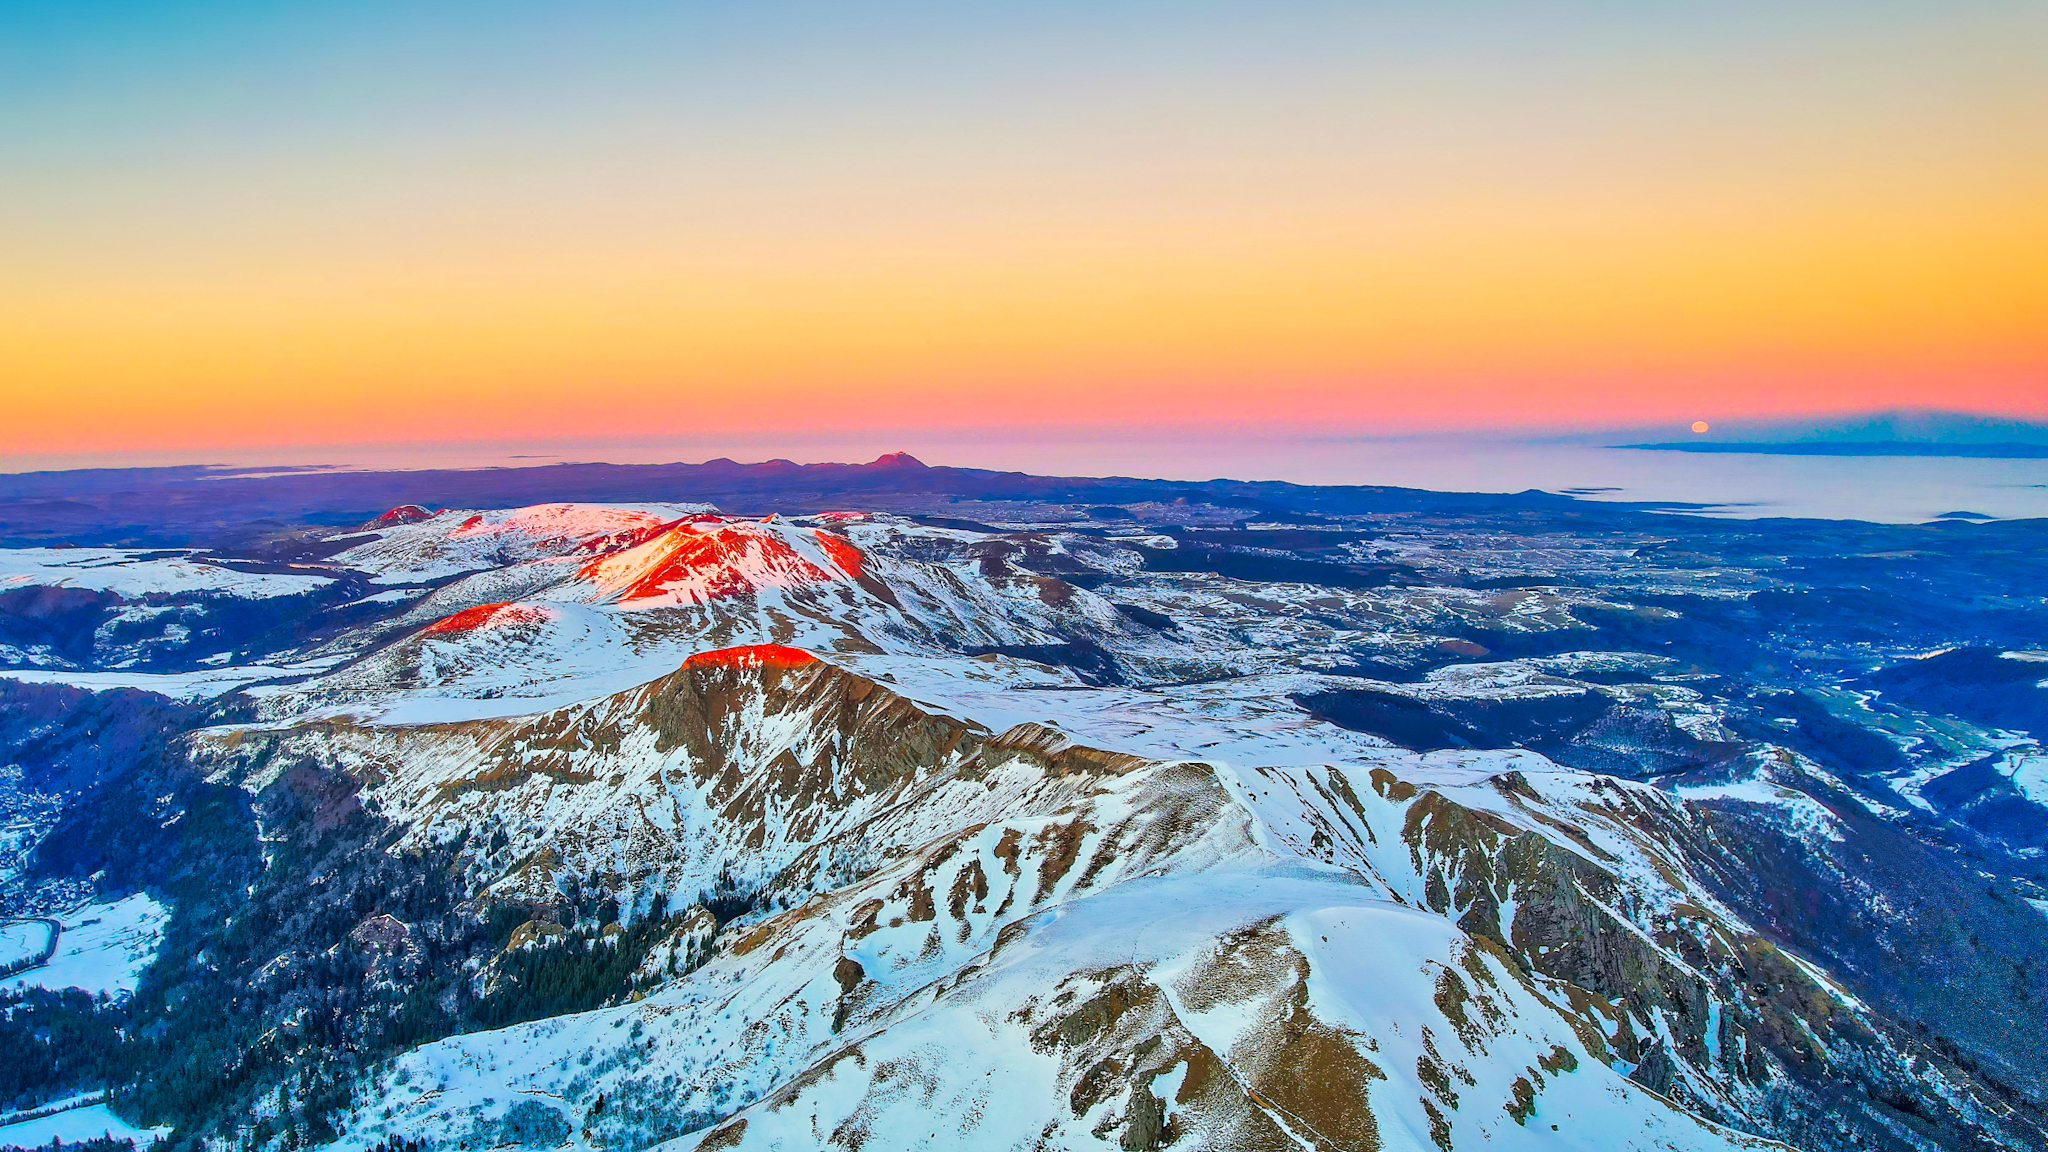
261	988
585	968
50	1041
96	1144
258	984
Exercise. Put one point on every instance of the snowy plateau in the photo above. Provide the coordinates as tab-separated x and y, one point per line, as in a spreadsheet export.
1016	813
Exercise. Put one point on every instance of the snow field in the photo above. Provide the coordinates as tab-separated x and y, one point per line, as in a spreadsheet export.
103	947
22	940
75	1126
135	573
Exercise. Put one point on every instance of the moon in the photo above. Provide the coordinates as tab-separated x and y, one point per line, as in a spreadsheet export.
1700	426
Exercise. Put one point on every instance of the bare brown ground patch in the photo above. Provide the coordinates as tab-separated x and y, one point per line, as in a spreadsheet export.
1006	849
1311	1076
1060	845
727	1135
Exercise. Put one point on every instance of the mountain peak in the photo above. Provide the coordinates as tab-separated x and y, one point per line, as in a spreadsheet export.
752	656
897	460
403	514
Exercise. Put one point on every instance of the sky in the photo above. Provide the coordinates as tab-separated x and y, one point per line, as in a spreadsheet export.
228	224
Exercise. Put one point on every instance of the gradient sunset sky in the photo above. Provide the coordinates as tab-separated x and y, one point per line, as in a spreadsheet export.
231	224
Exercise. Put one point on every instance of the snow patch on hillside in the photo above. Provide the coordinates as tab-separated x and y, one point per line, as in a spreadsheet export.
132	573
1241	720
2028	768
456	541
200	684
22	940
76	1126
104	947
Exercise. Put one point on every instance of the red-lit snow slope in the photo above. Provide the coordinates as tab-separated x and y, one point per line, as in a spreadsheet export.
697	561
484	616
752	656
403	514
595	598
406	545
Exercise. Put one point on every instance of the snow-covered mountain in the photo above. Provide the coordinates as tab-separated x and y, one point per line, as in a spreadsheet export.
615	826
1008	937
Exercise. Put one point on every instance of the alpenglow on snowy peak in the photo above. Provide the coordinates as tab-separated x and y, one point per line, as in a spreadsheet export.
1168	823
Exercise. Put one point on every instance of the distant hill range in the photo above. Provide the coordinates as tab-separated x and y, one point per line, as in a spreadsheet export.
1899	432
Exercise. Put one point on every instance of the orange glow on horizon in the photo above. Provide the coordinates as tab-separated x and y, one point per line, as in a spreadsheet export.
1437	332
1351	220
